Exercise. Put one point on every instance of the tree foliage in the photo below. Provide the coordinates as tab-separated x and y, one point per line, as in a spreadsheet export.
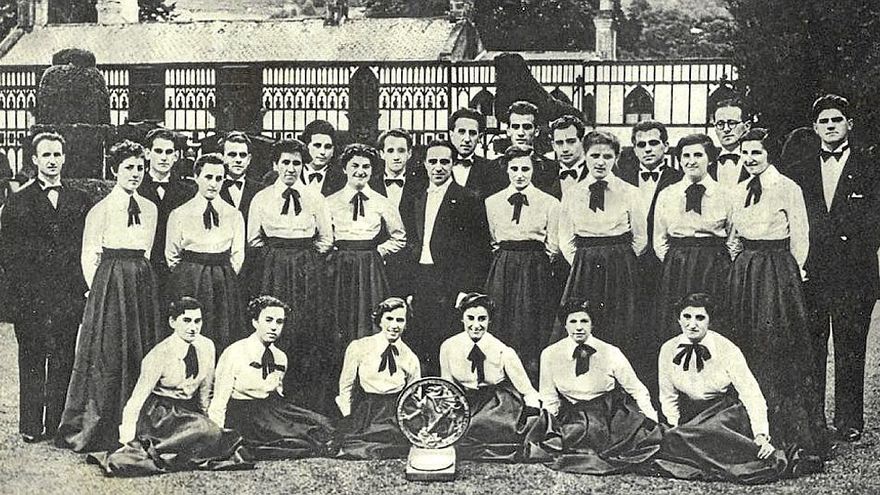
789	53
668	32
156	10
405	8
8	14
535	24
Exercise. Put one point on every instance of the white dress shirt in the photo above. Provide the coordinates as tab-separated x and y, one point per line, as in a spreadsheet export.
265	218
363	358
163	372
432	206
728	171
608	369
539	221
394	193
460	172
236	192
568	182
726	368
647	188
378	211
831	170
622	214
671	219
53	194
501	363
313	185
237	377
780	214
186	231
107	228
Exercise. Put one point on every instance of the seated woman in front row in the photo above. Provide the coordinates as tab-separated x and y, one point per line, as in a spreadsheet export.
248	392
164	427
718	413
494	381
606	423
383	366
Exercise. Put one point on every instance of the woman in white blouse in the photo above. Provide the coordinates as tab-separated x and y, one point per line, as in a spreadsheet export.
164	426
715	406
121	319
766	298
494	381
356	271
204	248
249	396
605	422
691	233
290	222
523	224
376	369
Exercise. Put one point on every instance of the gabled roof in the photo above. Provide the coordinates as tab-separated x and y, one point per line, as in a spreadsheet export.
391	39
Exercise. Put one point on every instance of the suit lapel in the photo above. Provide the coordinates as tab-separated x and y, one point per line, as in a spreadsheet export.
844	183
419	205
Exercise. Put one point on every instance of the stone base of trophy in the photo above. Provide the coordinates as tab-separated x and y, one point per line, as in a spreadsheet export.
430	464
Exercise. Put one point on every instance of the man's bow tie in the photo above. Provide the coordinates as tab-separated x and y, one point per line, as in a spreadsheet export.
654	175
236	183
315	176
728	157
394	182
837	155
568	174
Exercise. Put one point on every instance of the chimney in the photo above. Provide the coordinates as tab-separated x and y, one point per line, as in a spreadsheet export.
117	11
606	34
460	10
33	13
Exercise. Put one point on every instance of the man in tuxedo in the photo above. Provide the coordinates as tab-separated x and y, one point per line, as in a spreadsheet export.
841	189
567	135
469	170
522	129
40	245
399	181
448	245
168	191
731	121
319	174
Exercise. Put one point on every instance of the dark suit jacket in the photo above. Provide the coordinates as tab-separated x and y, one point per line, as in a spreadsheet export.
177	192
251	188
334	179
40	249
629	172
713	169
416	180
460	243
843	241
483	177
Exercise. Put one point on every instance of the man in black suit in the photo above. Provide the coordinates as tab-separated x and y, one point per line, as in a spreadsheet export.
732	121
40	245
320	175
470	170
567	135
841	189
522	129
168	191
399	180
448	245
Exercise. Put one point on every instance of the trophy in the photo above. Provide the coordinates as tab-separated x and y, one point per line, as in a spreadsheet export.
433	414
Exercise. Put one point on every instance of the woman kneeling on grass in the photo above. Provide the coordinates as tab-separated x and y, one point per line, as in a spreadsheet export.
249	387
718	413
164	427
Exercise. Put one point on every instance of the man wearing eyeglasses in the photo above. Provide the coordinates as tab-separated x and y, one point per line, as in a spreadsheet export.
165	188
448	245
842	192
731	123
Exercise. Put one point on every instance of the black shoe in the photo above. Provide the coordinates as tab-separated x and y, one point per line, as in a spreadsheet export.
28	438
850	435
808	464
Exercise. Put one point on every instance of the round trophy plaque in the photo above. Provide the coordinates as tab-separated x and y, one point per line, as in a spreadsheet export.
432	413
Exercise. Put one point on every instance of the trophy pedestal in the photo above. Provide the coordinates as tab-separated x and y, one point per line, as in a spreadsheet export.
430	464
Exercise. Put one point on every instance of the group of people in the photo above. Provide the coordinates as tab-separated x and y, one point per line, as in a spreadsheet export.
628	249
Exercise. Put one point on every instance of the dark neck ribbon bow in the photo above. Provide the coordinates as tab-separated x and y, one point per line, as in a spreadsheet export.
289	194
357	205
755	190
694	198
689	350
191	362
597	195
134	212
210	217
388	359
518	200
477	359
582	355
267	363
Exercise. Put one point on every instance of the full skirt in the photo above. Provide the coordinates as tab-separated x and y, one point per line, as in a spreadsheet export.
216	288
357	284
498	426
174	435
120	325
371	430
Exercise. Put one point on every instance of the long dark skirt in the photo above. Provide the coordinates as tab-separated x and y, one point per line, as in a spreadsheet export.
770	327
209	277
275	428
606	435
356	283
498	426
605	271
293	272
693	264
120	325
714	442
371	430
174	435
520	284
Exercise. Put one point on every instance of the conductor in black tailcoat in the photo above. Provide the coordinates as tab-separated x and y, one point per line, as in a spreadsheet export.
448	246
40	246
168	190
841	189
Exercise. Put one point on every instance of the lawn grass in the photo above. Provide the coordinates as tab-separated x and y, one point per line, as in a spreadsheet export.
43	469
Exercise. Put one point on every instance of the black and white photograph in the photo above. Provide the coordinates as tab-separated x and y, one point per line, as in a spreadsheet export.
439	246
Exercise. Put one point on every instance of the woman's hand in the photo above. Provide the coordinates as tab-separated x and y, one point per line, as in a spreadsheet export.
765	447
